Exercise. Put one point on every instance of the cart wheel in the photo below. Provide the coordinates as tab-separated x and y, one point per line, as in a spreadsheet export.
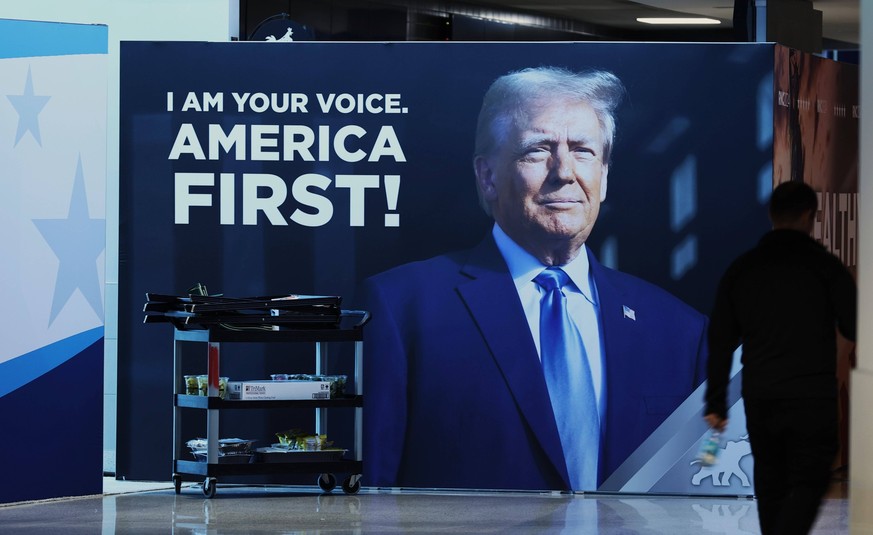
209	487
327	482
177	483
352	484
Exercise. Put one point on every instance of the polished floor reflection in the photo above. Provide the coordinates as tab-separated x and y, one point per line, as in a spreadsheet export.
296	510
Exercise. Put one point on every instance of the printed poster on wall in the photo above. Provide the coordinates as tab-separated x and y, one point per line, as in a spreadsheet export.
53	149
352	169
817	117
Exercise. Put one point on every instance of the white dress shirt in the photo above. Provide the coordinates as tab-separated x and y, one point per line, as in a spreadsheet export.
582	302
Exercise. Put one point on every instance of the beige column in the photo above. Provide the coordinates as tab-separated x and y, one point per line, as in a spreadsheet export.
861	433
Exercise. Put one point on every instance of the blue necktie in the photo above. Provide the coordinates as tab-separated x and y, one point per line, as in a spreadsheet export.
568	377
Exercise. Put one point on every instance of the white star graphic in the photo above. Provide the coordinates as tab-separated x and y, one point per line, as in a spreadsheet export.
28	107
77	241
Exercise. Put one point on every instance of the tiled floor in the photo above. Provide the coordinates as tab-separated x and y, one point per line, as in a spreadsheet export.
136	507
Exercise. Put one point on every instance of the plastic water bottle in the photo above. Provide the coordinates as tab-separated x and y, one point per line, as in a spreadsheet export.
709	450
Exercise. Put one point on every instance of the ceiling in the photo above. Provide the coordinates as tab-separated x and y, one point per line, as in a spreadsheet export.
840	18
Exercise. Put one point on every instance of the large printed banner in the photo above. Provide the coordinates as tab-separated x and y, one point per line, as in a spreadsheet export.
53	152
350	169
816	141
816	124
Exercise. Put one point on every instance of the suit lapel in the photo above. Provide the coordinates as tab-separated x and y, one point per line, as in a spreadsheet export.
492	301
619	349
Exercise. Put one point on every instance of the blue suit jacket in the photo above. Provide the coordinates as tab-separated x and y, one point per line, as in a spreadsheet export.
454	392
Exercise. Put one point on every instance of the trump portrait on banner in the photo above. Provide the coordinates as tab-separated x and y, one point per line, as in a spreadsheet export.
523	363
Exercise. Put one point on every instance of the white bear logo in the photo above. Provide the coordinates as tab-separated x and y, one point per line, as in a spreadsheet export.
728	465
285	38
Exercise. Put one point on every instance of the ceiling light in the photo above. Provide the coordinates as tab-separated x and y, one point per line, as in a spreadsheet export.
677	20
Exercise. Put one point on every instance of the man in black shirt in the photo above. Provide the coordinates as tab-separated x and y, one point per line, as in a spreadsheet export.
784	301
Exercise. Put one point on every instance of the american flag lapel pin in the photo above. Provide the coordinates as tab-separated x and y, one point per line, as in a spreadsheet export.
628	312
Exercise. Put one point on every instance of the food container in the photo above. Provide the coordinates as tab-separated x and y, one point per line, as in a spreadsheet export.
295	439
199	385
227	447
203	384
191	386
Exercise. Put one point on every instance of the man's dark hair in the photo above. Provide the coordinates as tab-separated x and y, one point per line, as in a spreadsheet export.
791	201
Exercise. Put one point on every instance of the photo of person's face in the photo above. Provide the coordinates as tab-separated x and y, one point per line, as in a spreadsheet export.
547	178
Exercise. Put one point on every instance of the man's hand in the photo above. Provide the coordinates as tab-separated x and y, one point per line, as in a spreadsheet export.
715	421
